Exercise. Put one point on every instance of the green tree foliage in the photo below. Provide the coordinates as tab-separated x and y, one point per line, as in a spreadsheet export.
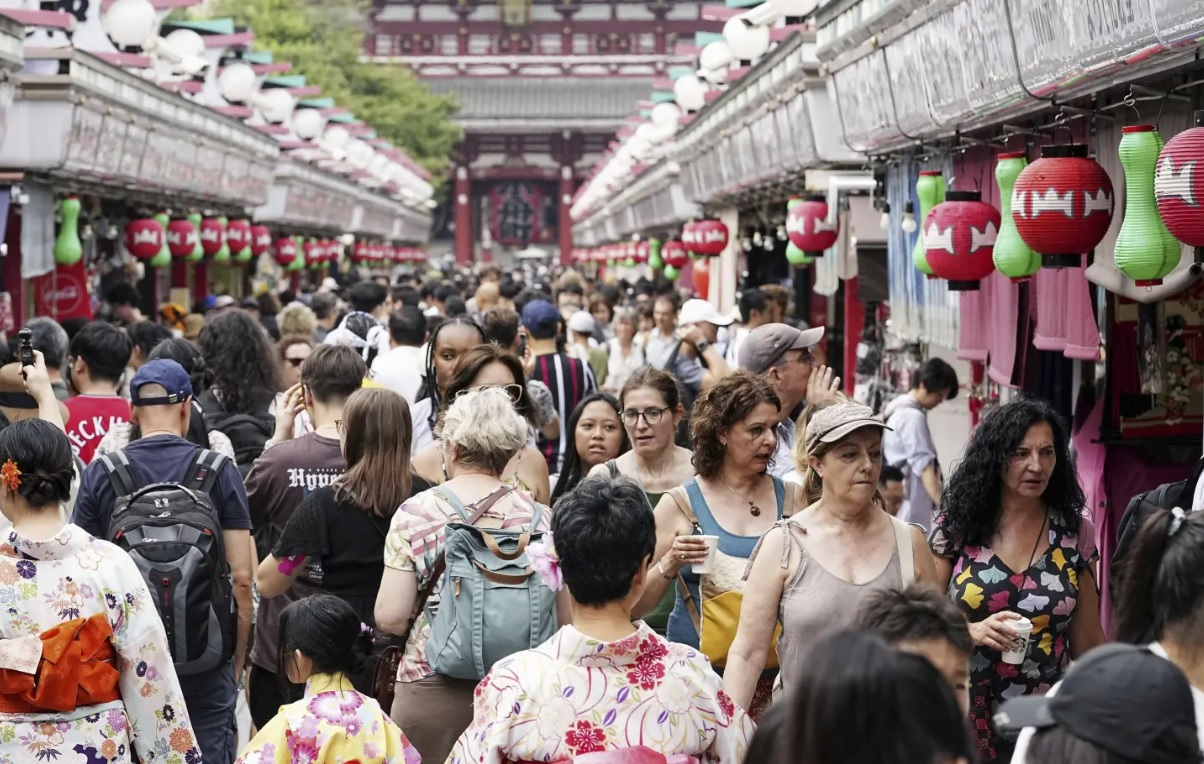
324	40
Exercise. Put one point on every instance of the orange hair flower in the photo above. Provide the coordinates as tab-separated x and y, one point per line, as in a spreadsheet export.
10	475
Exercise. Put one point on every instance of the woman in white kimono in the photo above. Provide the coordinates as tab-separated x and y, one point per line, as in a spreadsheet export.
85	672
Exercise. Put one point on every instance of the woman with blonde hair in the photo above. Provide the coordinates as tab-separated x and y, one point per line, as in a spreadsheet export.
811	571
482	432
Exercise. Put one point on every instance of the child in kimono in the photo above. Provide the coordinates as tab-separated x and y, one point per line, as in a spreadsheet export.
322	643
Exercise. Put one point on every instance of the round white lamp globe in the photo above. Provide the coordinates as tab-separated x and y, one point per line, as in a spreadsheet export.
715	55
746	43
275	105
130	23
689	92
336	138
186	43
236	82
665	114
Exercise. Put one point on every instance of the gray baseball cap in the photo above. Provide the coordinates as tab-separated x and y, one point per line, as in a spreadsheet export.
765	345
833	422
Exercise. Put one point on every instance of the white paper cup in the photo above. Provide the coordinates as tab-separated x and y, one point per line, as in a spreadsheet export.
712	549
1024	628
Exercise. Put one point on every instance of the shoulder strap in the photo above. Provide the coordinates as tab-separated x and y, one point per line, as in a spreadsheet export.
479	508
121	473
671	361
682	500
202	474
906	553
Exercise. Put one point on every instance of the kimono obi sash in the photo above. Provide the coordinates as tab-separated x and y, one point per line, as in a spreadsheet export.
635	755
77	668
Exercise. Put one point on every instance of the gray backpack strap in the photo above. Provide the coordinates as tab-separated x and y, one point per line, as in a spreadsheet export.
121	473
451	499
202	475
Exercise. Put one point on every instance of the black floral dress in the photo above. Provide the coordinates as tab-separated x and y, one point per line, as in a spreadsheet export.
1047	593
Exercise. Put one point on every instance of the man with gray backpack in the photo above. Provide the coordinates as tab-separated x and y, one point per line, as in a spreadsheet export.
180	511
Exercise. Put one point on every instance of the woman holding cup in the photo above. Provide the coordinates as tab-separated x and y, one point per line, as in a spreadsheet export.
1016	555
707	529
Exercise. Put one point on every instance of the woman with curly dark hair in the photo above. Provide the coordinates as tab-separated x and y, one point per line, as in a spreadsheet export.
245	381
1016	554
713	522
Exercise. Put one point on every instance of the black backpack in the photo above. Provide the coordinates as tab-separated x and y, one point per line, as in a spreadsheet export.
1165	496
248	433
172	533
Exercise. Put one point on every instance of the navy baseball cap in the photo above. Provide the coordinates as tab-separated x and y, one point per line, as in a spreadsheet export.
539	312
167	373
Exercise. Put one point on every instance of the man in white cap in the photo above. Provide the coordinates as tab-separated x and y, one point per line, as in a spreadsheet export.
782	354
697	363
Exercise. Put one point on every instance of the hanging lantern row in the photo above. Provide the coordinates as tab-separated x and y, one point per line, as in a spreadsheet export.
705	238
370	253
160	238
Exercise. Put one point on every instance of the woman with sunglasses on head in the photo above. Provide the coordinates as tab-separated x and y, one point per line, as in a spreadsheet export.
650	410
491	366
598	437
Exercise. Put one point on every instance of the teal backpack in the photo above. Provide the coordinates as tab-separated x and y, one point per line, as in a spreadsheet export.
491	603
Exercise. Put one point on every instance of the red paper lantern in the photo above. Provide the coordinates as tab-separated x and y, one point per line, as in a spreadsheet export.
181	238
710	237
959	239
642	251
286	251
238	235
213	236
689	236
144	238
1062	205
1179	186
313	252
674	254
261	239
807	225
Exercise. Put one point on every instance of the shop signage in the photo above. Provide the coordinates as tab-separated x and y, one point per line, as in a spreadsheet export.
863	98
939	53
1178	22
986	60
63	293
908	62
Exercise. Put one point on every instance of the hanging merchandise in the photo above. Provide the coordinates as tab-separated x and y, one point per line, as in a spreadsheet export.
1145	251
1013	258
68	249
710	238
1062	205
1179	186
655	261
261	240
198	249
181	238
930	190
238	238
959	239
223	253
213	236
286	251
808	227
144	238
702	281
796	256
162	258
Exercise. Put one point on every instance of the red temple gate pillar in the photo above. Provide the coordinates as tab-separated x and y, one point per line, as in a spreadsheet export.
462	199
565	221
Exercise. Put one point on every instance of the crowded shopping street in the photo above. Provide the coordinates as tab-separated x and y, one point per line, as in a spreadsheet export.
601	382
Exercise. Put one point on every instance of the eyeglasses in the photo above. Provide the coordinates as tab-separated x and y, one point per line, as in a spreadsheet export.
295	362
515	391
631	417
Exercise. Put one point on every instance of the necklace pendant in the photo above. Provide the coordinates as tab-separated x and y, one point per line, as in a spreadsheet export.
754	510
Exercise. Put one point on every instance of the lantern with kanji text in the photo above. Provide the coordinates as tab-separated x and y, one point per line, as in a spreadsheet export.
144	238
959	239
238	237
1179	186
1062	205
710	237
807	224
213	236
286	252
261	240
181	238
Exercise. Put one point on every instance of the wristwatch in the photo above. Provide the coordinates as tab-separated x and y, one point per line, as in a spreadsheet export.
702	346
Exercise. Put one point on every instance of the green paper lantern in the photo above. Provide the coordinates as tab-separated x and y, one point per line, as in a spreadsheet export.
223	254
68	249
299	259
163	259
671	273
198	252
1013	258
930	190
655	261
796	256
1142	252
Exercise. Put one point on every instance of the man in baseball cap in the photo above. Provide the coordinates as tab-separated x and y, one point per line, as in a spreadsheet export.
1121	702
783	355
699	363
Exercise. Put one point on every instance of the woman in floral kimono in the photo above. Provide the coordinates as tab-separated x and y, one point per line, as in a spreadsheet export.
603	683
322	644
85	673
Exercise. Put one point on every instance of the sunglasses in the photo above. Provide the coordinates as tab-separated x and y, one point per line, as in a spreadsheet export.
515	391
295	362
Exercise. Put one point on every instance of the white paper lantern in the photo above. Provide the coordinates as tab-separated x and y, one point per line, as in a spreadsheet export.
308	123
746	43
130	23
359	155
186	43
336	138
650	133
275	104
793	8
380	167
713	76
715	55
689	92
236	82
665	114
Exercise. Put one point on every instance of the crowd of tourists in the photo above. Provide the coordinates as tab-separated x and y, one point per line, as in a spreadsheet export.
499	518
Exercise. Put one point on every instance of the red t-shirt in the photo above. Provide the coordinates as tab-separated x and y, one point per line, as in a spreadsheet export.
91	417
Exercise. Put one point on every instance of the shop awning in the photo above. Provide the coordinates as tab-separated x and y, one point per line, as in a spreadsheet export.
655	201
528	103
94	126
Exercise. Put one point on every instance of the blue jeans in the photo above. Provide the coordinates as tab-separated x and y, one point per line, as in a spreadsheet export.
211	698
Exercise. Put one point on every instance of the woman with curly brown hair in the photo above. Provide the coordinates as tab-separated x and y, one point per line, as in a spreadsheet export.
713	522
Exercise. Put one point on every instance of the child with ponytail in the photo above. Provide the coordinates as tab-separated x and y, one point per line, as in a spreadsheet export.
322	644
